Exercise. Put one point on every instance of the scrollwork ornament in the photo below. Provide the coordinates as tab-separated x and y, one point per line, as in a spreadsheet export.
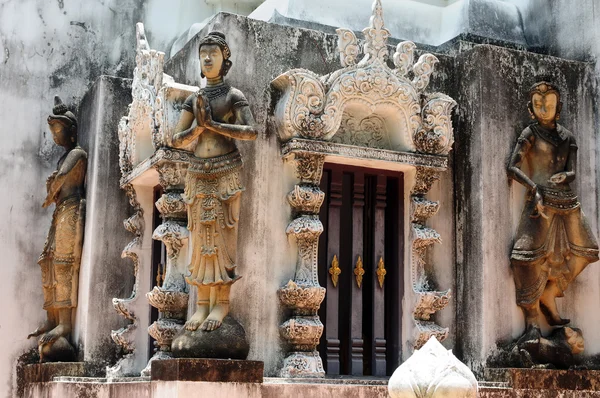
423	70
170	174
302	364
424	179
429	303
170	204
347	47
304	300
403	57
306	198
172	234
309	167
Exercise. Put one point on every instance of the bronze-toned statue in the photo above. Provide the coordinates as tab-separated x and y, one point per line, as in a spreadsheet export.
554	242
213	184
61	257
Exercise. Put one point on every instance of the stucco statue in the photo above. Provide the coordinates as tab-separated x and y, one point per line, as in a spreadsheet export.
213	118
61	256
554	242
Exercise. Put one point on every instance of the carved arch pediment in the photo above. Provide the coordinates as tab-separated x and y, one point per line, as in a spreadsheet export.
315	107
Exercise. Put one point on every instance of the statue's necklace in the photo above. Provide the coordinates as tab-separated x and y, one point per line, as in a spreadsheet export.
213	92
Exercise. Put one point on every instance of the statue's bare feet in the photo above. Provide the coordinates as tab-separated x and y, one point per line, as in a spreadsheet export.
53	335
47	325
215	318
196	320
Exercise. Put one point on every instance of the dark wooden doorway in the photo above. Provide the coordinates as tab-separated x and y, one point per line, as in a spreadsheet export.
363	220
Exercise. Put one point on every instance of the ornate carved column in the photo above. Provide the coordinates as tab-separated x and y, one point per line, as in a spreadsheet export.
171	299
125	336
304	294
428	301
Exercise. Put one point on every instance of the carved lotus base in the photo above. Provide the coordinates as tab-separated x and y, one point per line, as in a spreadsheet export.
163	332
302	365
172	304
302	333
304	300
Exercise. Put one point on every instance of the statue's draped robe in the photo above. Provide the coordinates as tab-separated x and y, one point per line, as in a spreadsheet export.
213	191
543	246
61	257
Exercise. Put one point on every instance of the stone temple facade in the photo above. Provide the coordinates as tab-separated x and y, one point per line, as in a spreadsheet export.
377	211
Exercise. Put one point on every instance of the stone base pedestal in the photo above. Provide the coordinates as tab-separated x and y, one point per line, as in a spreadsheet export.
44	372
214	370
228	341
546	379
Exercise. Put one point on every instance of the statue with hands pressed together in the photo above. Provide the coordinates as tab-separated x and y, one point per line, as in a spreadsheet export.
213	119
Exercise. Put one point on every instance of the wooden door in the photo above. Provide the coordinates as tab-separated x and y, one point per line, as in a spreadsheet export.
360	263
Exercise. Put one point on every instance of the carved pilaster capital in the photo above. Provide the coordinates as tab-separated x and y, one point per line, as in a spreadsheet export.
426	329
171	174
429	303
302	332
423	209
302	364
172	304
306	198
309	167
171	204
163	331
424	179
304	300
172	234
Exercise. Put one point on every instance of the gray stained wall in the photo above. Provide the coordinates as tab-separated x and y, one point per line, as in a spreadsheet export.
63	47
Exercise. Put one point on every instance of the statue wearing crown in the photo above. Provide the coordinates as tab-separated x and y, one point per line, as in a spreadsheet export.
61	256
554	242
211	121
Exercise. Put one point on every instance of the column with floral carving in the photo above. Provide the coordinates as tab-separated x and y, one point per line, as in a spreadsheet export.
428	301
304	294
171	299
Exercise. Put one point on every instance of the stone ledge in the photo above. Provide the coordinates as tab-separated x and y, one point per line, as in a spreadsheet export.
546	379
436	162
45	372
213	370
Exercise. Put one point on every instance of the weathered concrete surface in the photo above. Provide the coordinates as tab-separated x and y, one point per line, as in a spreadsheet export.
104	274
48	48
272	388
546	379
493	85
266	258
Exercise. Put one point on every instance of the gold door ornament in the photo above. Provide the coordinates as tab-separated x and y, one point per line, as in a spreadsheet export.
381	272
359	271
335	270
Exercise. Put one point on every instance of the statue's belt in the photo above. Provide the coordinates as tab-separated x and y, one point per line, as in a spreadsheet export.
561	200
216	166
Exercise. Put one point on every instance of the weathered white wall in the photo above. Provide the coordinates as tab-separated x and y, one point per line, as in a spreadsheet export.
48	48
